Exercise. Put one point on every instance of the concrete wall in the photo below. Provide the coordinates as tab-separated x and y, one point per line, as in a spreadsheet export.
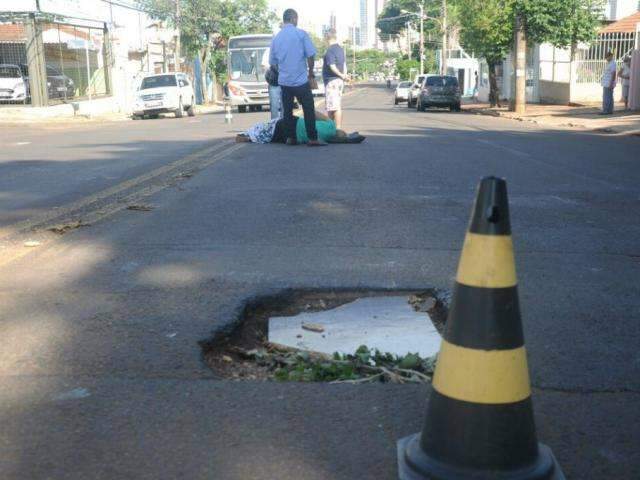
555	92
563	93
586	92
470	67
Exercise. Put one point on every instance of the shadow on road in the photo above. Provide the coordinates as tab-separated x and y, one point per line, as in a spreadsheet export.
100	329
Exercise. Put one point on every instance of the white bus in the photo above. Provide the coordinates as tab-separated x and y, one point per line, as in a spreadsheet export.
247	62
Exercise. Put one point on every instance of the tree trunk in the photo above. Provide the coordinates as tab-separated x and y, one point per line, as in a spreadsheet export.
205	55
214	85
520	68
494	92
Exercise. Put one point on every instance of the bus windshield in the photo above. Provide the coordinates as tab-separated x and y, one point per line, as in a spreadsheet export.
248	58
248	65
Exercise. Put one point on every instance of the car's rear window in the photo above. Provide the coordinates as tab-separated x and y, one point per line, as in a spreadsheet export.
159	81
404	84
439	81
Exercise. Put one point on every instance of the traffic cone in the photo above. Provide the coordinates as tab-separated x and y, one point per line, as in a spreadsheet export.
228	116
479	422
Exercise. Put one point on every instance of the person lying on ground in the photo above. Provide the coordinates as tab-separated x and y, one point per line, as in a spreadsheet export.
274	132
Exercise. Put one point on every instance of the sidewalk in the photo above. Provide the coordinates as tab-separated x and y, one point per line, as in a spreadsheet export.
582	116
99	110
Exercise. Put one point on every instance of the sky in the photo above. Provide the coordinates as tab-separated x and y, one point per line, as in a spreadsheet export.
317	12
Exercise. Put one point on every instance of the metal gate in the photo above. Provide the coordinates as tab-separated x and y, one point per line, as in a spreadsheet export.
590	59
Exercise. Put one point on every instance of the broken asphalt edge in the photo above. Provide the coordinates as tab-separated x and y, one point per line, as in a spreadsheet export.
272	297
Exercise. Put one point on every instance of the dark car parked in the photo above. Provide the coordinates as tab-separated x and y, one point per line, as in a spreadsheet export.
58	84
439	91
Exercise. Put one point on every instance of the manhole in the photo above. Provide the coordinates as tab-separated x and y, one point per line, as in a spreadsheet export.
351	336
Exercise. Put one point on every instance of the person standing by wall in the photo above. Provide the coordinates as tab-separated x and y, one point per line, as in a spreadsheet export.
608	84
293	54
625	75
334	74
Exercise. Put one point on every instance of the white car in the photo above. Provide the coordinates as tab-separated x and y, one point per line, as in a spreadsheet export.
402	92
165	93
414	91
13	86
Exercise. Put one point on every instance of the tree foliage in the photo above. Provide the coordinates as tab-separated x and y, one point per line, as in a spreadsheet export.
563	23
393	20
486	28
405	67
206	25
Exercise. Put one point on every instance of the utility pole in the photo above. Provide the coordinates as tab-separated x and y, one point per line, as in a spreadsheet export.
409	38
443	61
354	50
422	38
164	57
176	53
520	94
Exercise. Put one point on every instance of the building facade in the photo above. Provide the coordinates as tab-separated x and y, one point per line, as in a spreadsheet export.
70	51
618	9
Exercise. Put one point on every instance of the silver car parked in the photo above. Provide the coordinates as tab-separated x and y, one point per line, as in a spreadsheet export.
439	91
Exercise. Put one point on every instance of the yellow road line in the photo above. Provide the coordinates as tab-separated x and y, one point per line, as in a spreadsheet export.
10	254
30	223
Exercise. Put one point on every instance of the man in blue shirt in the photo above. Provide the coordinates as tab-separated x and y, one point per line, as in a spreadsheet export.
293	54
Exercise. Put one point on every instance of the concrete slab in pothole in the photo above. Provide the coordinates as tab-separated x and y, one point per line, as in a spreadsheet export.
389	324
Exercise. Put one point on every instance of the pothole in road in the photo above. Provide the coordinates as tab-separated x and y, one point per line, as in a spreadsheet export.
354	336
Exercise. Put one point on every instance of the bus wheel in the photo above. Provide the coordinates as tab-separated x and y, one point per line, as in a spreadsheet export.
242	109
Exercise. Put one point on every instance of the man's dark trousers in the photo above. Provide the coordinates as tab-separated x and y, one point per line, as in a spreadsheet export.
305	97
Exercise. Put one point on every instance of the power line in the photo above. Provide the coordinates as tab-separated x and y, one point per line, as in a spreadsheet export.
136	8
390	19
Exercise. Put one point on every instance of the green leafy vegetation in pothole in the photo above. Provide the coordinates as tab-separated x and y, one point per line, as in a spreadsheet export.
364	366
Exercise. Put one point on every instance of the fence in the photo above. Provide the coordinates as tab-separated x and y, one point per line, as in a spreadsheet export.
590	61
14	87
74	60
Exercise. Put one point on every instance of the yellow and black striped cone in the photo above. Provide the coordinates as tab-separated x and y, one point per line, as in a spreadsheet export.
479	422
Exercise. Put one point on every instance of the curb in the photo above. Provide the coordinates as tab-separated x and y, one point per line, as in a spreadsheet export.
612	131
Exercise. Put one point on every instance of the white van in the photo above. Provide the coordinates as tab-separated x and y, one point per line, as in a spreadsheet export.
165	93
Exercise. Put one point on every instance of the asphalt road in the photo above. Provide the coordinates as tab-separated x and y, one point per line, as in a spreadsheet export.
99	328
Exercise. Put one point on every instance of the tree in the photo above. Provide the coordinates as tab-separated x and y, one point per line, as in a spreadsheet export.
405	66
563	23
393	21
487	30
320	44
487	27
206	25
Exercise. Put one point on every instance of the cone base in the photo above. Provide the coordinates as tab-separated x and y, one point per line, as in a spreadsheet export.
414	464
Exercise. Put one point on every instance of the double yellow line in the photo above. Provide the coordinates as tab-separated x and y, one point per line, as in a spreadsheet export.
106	203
